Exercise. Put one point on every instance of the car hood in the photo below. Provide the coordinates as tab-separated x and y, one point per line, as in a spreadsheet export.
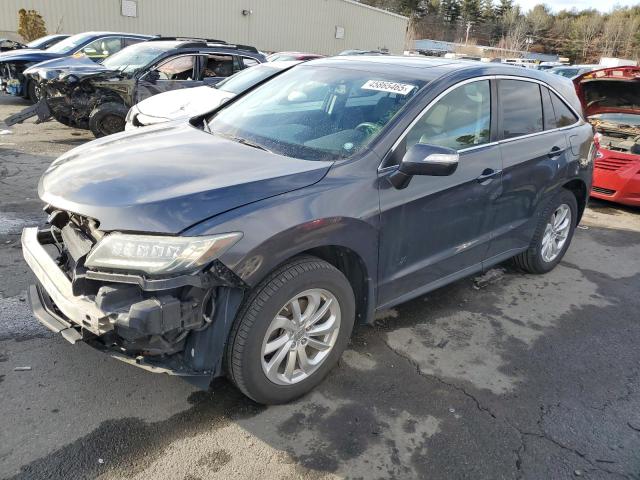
167	178
28	55
609	90
186	102
61	68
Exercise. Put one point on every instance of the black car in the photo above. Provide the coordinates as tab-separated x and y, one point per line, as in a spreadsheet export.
97	97
41	43
95	46
248	241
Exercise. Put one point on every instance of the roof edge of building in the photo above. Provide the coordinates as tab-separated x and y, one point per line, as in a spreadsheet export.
376	9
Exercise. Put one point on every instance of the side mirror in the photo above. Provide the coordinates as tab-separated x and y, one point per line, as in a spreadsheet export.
153	76
422	159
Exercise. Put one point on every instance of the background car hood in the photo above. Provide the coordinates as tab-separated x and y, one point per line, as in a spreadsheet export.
168	177
186	102
620	86
28	55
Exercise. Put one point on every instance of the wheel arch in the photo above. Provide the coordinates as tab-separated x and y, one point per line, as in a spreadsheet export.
354	268
579	190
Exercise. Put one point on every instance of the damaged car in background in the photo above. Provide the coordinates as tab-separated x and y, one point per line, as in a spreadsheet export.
187	103
248	241
41	43
97	97
95	46
611	101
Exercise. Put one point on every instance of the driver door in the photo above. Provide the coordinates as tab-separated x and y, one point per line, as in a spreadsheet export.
172	74
438	228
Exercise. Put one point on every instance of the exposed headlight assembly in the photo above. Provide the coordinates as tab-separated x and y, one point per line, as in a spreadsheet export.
158	255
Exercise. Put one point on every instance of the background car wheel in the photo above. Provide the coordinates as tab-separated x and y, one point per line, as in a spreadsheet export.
107	119
291	331
32	92
552	236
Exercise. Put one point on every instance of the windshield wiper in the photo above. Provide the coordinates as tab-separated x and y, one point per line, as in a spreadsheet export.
240	140
248	143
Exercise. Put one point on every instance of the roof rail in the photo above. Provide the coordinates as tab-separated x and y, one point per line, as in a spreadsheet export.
198	42
158	38
249	48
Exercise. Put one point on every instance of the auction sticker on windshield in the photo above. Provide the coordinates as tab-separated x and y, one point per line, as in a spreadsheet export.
392	87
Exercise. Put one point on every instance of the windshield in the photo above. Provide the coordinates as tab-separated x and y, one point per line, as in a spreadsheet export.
247	78
135	57
316	113
69	45
39	41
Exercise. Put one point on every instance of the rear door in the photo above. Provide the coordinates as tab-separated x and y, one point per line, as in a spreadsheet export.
218	66
535	153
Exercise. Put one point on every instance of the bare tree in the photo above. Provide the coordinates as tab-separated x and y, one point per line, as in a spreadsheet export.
587	29
613	35
516	30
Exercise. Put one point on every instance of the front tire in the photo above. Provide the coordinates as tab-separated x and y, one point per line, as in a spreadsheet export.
107	119
553	235
291	331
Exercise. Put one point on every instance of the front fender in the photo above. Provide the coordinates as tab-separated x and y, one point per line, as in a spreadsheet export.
338	211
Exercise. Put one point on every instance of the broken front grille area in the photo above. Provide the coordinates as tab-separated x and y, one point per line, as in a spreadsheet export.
74	236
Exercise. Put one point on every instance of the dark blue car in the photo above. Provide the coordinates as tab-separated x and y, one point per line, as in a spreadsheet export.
248	241
95	45
41	43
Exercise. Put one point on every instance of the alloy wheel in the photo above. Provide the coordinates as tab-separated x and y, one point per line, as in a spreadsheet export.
556	233
300	337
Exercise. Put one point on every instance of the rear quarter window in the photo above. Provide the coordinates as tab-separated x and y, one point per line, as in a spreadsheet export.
564	115
520	107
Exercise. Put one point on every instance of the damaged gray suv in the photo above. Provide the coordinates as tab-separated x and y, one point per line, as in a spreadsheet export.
248	242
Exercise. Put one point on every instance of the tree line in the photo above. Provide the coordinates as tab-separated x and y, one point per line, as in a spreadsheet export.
583	36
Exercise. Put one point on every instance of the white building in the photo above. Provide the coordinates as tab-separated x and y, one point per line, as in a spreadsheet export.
319	26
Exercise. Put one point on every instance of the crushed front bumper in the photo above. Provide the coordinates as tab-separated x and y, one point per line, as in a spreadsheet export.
40	109
170	326
61	311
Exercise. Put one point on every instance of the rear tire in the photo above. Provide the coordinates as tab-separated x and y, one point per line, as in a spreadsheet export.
107	119
304	354
551	238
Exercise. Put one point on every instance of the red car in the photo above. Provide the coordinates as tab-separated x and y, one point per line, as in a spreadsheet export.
611	100
287	56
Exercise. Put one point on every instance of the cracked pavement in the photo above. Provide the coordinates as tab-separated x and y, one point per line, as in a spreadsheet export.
528	377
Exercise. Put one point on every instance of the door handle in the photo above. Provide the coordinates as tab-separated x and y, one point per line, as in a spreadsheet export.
555	152
488	174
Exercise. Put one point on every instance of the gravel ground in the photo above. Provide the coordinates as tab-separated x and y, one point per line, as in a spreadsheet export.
527	377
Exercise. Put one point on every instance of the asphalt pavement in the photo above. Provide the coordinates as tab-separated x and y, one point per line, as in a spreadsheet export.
517	376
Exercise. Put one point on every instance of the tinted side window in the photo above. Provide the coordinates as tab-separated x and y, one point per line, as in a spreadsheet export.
564	115
178	68
131	41
547	107
460	119
103	47
520	108
218	66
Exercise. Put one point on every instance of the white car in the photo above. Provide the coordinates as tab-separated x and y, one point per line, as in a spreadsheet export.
190	102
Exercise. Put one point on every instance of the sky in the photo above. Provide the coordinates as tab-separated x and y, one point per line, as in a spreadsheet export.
557	5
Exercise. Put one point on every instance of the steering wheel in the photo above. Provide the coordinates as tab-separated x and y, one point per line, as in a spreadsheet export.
368	128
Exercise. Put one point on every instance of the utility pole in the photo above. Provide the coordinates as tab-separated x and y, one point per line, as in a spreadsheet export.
466	39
